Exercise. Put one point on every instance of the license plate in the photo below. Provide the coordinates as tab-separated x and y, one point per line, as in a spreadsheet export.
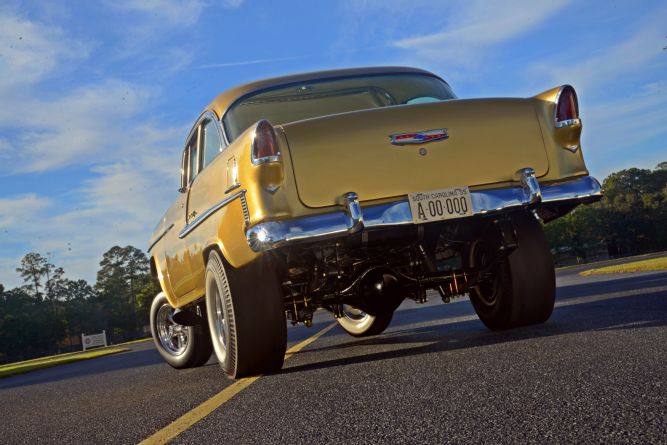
437	205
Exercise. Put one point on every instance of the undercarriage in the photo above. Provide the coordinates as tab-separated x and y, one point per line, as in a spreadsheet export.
374	271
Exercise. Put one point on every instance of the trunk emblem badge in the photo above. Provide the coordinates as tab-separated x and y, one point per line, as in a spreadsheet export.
418	137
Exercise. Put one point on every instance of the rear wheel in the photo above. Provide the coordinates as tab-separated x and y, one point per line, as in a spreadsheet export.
245	316
180	346
521	288
360	324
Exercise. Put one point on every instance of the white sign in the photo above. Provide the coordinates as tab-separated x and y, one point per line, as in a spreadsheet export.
93	341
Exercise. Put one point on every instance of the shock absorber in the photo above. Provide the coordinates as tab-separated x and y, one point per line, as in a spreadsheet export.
457	284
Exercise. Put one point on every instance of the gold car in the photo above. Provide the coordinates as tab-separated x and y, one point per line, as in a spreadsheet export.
349	191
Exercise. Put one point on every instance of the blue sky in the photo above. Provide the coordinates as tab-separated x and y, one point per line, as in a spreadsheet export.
96	97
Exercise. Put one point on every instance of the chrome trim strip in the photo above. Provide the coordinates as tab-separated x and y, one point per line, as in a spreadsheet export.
157	240
272	234
204	216
232	187
265	160
567	123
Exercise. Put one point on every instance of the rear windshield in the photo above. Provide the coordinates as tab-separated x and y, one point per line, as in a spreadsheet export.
317	98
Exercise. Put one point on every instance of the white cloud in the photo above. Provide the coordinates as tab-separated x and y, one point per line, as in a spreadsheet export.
173	12
608	67
232	4
623	123
119	205
30	51
475	26
91	124
6	148
16	210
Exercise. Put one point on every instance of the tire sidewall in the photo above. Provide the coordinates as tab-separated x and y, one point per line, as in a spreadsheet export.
216	276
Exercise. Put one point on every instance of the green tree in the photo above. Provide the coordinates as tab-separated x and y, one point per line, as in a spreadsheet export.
33	269
629	219
124	273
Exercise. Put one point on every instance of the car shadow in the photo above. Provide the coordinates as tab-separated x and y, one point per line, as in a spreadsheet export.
627	312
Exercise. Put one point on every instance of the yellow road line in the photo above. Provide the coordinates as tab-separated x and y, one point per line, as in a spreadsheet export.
199	412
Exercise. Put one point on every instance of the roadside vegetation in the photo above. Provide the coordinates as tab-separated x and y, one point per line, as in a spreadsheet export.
48	313
48	362
654	264
631	219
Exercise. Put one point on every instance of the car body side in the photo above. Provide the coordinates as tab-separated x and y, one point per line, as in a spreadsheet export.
232	194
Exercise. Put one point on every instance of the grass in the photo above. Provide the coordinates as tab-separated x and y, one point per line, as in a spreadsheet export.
50	357
635	266
47	362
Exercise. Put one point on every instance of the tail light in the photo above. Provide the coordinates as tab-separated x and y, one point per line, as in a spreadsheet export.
567	107
264	144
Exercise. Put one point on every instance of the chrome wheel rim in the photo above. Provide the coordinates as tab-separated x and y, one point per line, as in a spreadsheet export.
173	336
355	321
220	319
354	313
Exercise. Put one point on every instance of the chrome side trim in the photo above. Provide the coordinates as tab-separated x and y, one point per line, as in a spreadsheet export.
157	240
232	188
204	216
272	234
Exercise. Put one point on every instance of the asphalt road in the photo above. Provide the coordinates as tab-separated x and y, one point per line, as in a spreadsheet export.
595	372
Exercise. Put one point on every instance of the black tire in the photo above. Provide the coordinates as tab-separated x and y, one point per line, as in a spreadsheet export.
523	289
247	324
195	346
360	324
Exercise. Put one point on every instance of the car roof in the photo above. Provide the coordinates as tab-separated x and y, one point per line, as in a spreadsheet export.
224	100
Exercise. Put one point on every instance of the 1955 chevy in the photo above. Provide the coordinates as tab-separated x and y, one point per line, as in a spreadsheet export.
349	191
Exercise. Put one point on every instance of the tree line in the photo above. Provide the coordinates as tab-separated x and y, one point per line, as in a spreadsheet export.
48	313
631	219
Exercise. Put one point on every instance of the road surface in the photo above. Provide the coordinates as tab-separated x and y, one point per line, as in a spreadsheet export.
595	372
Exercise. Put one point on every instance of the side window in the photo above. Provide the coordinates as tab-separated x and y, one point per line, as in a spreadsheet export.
211	142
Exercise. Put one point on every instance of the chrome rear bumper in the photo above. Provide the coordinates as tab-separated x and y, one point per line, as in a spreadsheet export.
352	218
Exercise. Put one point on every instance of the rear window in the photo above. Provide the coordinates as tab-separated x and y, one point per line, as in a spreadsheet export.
317	98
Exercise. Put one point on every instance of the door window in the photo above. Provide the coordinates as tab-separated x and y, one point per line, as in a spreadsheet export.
211	142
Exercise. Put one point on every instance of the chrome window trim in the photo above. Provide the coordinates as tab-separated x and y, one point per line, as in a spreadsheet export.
157	240
324	79
208	115
204	216
527	194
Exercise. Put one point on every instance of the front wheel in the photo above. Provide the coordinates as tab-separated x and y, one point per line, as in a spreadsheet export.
246	316
180	346
520	289
358	323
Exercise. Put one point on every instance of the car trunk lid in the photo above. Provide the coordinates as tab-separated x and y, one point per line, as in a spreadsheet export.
488	141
